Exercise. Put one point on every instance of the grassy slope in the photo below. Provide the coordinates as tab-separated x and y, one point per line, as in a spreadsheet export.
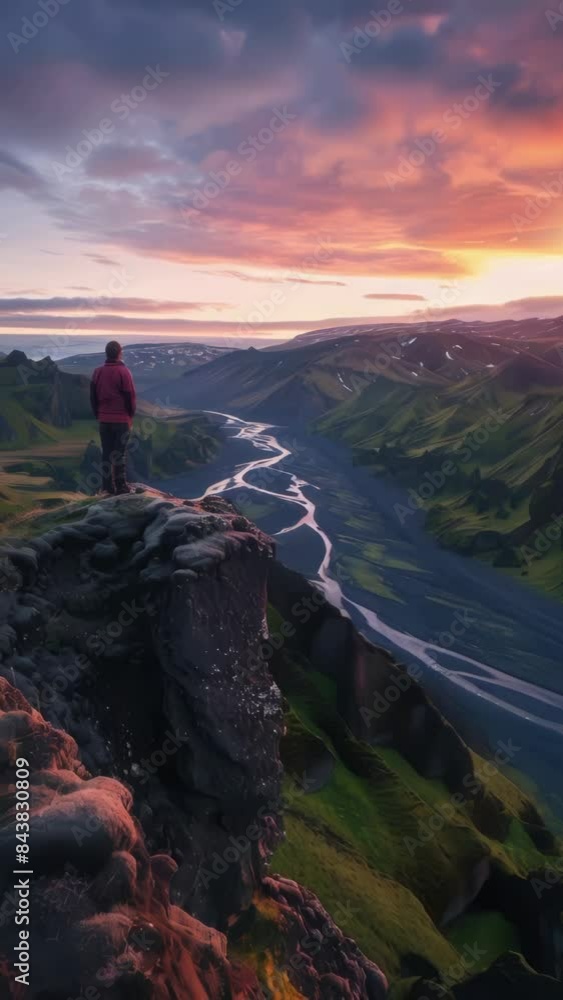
409	431
40	462
346	842
33	474
180	444
38	456
44	473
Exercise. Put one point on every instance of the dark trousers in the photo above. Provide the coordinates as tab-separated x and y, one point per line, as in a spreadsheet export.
114	439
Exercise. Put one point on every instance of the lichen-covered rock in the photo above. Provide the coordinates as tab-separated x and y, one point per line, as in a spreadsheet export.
101	916
324	964
134	630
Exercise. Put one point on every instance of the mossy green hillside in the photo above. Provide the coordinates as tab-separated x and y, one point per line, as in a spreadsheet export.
500	445
49	440
385	845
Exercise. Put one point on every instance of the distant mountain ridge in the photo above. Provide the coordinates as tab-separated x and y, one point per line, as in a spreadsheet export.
483	457
513	329
150	363
409	400
315	374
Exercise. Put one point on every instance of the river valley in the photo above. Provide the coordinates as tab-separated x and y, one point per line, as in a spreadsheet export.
487	646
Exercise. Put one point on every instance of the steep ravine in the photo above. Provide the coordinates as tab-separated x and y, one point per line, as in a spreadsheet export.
158	667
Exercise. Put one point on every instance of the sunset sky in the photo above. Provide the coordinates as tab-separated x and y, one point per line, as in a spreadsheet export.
239	168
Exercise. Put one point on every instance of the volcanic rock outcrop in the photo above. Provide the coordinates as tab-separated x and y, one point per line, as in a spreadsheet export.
144	644
131	680
101	919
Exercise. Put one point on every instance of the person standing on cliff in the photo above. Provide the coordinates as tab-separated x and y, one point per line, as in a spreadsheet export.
113	399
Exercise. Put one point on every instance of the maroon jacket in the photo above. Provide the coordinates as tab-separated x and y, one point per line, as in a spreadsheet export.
112	394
